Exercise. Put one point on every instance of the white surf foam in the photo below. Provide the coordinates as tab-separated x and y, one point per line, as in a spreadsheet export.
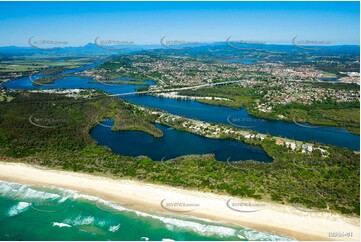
114	228
20	207
56	224
262	236
203	229
24	192
80	220
7	188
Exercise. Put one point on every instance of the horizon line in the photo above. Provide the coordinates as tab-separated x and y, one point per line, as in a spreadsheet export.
190	44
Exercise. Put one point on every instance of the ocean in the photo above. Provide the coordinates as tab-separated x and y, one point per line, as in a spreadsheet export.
30	212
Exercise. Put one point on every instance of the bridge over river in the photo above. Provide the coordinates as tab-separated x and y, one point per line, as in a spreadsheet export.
175	89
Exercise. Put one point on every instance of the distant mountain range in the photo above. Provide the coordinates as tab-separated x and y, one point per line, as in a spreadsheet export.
88	49
92	49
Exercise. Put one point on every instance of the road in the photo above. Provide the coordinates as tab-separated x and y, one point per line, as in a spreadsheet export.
176	89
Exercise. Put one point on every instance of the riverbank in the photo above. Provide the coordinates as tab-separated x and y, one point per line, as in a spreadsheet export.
299	119
175	95
280	219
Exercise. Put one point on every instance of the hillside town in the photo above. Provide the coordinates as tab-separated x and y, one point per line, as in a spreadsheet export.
275	83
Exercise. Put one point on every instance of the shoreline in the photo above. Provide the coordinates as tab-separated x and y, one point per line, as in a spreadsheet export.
280	219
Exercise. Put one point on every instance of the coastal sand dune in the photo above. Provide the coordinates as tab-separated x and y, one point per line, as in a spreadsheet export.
263	216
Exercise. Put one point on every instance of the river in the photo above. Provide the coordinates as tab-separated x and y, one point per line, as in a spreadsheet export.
210	113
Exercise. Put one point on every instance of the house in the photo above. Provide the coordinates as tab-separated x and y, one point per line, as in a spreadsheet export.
291	145
279	142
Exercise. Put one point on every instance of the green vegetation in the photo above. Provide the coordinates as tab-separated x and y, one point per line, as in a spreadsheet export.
5	98
47	65
239	96
311	181
343	114
116	68
51	78
327	113
142	88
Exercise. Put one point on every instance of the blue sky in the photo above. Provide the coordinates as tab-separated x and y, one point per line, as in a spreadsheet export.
79	23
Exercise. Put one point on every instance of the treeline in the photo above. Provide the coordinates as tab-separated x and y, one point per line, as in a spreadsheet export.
33	122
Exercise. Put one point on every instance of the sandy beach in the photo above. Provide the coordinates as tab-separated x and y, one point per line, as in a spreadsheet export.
263	216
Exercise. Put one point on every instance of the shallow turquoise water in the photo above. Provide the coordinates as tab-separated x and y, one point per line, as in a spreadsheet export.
48	213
